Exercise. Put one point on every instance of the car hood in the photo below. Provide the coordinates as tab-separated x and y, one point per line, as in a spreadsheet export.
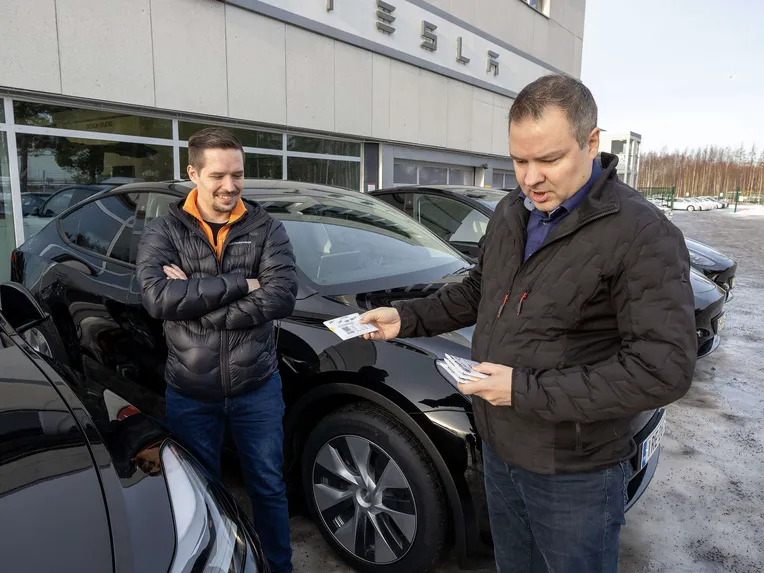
52	512
721	261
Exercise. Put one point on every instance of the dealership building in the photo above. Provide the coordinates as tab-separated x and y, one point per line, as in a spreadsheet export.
361	94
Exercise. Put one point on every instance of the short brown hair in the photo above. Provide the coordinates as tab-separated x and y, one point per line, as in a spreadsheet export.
564	92
210	138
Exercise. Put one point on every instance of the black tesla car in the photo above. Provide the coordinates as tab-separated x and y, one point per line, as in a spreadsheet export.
360	413
459	215
89	484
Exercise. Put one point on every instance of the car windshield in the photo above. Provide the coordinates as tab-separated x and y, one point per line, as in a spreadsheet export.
341	239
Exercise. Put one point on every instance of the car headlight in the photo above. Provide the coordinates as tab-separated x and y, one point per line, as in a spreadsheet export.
700	260
208	538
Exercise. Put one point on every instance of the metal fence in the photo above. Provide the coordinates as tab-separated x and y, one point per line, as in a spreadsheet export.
660	195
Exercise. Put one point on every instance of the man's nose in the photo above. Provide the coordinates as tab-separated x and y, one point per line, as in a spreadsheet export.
228	184
533	175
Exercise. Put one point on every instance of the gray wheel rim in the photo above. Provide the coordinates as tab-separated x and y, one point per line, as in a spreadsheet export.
364	499
37	341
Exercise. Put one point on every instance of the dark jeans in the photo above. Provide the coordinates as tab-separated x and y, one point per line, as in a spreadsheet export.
566	523
255	420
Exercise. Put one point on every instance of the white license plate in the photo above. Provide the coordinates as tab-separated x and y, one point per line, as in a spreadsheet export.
651	445
720	324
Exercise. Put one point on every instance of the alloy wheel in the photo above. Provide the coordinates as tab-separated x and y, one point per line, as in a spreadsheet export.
364	499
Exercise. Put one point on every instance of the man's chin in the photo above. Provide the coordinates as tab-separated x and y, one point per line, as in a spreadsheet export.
223	208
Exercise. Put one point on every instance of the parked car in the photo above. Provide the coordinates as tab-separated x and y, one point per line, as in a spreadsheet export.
459	216
354	408
688	204
90	484
716	266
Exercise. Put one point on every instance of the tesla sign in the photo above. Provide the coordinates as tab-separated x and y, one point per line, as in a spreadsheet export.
409	32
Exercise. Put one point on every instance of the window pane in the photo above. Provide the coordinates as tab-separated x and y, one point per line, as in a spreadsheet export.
262	166
2	111
510	181
325	146
616	147
97	120
461	177
404	174
498	180
183	158
345	174
432	175
247	137
450	220
82	167
7	237
103	226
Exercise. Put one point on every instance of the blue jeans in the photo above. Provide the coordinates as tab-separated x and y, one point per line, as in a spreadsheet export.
566	523
255	420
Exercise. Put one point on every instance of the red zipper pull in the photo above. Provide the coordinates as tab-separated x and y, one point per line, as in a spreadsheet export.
501	308
520	304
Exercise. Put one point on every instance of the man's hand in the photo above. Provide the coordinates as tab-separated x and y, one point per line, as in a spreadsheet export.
496	389
253	284
386	319
174	272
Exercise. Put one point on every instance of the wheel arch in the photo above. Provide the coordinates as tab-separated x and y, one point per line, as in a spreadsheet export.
322	400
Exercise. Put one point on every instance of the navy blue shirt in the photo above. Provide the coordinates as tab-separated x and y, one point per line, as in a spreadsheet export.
541	224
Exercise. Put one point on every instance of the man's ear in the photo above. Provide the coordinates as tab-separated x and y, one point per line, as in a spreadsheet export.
192	174
594	143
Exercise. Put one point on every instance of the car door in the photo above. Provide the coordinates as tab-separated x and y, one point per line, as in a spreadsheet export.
145	332
92	274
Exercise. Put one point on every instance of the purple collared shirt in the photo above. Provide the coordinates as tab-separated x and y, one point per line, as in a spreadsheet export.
541	224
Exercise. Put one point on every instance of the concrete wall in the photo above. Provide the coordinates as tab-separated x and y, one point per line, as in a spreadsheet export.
557	39
206	57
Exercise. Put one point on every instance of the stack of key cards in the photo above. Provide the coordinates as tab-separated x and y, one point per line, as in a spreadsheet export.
349	326
461	369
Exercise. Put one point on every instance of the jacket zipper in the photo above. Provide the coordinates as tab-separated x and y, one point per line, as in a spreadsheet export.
579	445
527	292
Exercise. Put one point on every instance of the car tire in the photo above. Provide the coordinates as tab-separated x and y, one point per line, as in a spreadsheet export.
363	440
690	208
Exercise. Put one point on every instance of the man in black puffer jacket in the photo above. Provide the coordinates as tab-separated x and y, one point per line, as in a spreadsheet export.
218	272
584	318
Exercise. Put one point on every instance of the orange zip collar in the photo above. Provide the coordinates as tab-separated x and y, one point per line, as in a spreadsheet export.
192	209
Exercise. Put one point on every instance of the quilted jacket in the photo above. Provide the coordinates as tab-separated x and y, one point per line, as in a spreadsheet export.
220	339
598	325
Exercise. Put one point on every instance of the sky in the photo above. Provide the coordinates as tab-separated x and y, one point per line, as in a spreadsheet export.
681	73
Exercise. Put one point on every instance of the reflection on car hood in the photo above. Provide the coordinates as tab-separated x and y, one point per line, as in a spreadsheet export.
722	261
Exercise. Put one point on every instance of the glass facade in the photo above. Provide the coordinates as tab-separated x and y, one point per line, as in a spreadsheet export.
410	173
97	121
66	154
7	239
247	137
327	172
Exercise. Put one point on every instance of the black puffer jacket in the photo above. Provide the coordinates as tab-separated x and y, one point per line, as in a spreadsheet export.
598	325
220	338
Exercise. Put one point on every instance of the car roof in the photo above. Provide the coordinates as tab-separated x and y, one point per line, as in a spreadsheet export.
251	187
472	191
